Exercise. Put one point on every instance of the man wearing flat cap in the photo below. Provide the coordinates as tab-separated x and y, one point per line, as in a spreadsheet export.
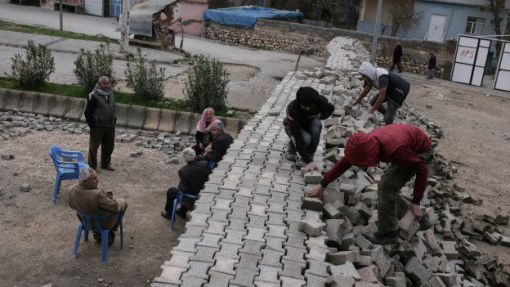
303	125
408	150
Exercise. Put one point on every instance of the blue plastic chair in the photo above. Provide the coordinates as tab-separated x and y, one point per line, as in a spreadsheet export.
178	200
67	164
93	223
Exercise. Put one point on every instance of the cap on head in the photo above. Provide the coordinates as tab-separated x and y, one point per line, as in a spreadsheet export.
307	96
218	125
362	150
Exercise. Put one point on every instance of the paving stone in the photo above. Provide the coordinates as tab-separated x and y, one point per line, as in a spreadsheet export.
294	215
271	258
197	269
319	241
295	254
258	210
210	240
237	224
317	253
276	207
384	264
187	244
346	270
268	274
395	281
366	284
331	211
417	272
234	237
277	197
317	267
170	274
239	212
293	269
229	250
312	227
291	282
252	247
218	279
248	261
220	215
342	257
368	274
204	254
179	259
275	219
449	279
224	264
435	281
340	281
364	260
280	188
313	177
408	226
449	249
198	219
312	203
315	281
192	232
255	234
244	277
363	210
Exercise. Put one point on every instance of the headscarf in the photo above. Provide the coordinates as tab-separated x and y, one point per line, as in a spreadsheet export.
372	72
202	126
362	150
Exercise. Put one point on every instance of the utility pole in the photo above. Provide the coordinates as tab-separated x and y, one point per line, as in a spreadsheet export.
376	31
124	26
61	16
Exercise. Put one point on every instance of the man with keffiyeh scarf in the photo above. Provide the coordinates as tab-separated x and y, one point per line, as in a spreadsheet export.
100	116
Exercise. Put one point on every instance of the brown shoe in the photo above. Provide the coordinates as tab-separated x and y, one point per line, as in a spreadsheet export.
110	168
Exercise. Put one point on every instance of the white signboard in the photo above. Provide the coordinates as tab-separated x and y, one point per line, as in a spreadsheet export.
503	73
470	59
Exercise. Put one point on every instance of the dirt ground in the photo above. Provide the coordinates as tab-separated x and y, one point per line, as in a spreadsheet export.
477	139
37	237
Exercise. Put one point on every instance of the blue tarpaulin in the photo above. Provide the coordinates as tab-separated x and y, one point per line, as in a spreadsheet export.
247	16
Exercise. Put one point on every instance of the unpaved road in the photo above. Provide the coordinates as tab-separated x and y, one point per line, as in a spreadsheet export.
36	237
477	135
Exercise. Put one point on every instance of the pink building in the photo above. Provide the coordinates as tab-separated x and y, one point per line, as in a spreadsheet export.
192	14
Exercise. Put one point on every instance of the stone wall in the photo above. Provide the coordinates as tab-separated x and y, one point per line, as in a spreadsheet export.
267	40
131	116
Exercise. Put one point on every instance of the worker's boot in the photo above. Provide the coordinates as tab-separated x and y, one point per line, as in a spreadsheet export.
384	239
290	155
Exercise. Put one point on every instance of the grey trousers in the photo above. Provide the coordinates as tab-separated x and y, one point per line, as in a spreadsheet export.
389	112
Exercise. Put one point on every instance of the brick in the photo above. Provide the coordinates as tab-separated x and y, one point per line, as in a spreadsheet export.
368	274
366	284
313	177
342	257
291	282
346	270
312	203
417	272
383	264
408	226
331	211
363	210
312	227
340	281
170	274
364	260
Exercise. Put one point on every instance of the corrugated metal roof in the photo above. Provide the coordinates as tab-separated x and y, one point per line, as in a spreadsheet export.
466	2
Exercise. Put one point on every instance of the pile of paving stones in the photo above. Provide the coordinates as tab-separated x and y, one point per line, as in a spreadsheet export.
15	124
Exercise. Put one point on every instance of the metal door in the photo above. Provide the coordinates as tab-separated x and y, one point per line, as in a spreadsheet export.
436	28
503	73
94	7
115	8
470	59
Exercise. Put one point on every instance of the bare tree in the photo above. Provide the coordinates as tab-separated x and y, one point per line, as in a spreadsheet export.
403	16
497	8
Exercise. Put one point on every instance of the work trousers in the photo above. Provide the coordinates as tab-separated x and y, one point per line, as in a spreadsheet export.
104	137
391	205
171	194
304	138
389	112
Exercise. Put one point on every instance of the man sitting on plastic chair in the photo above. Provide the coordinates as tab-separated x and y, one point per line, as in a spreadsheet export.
192	179
87	198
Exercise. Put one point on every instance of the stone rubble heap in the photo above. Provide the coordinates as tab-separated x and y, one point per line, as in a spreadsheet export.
14	124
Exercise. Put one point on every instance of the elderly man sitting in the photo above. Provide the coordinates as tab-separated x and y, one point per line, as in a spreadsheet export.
192	179
87	198
221	141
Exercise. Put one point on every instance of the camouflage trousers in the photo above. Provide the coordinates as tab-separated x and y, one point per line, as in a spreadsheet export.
391	205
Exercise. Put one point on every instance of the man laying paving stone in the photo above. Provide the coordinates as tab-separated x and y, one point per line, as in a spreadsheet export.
408	150
303	125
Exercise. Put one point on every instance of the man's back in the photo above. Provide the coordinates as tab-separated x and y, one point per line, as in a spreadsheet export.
193	176
91	201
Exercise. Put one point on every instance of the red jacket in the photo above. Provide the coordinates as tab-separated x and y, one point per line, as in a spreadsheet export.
397	144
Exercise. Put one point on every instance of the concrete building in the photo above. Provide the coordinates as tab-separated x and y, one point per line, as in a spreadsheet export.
434	20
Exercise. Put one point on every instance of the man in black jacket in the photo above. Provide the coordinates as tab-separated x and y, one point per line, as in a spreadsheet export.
303	124
221	141
192	179
100	116
432	65
397	58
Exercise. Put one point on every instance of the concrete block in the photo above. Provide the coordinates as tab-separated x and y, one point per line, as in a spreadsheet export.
313	177
293	269
418	273
362	242
58	106
136	117
332	228
218	279
368	274
449	249
11	99
26	101
41	104
183	122
2	98
435	281
408	226
75	108
231	126
291	282
364	260
340	281
167	121
152	118
346	270
311	226
396	281
312	203
170	275
342	257
121	112
449	279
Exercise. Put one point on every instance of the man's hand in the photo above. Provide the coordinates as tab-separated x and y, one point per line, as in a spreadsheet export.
201	146
317	191
208	149
309	167
371	110
416	210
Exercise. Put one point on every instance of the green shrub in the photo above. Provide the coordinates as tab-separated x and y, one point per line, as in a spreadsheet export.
35	69
145	78
206	85
89	66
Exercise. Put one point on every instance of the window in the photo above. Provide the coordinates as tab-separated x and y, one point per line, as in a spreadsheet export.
474	25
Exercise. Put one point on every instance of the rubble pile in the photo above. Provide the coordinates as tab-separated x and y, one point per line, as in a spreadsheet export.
442	256
266	40
14	124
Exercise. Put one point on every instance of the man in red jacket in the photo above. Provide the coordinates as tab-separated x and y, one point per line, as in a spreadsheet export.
408	150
